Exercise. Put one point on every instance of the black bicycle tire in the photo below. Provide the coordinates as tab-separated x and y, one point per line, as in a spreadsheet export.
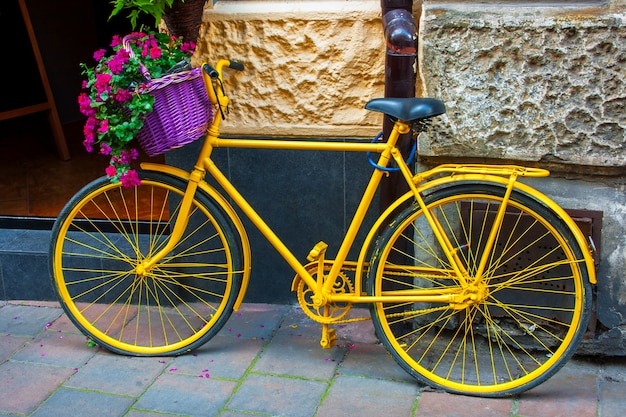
467	188
221	219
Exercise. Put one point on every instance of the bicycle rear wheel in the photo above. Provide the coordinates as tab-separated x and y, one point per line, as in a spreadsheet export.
526	319
106	231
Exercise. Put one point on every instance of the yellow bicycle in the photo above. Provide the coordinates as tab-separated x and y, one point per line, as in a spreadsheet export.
480	285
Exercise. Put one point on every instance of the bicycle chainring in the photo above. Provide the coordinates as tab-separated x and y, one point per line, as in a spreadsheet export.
331	312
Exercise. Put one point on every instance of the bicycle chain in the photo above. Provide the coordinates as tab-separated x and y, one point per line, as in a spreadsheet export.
424	311
329	320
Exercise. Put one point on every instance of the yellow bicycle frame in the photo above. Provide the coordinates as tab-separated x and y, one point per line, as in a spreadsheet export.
505	175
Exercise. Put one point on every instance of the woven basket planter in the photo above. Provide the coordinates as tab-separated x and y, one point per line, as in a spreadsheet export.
180	114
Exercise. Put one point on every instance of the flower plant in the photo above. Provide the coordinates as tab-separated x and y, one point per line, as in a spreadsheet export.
114	98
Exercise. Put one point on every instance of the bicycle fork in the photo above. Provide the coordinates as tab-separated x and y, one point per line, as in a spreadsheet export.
180	225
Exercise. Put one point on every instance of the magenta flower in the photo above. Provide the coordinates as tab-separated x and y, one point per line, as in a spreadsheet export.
130	179
111	171
122	95
90	134
84	103
88	143
127	156
105	149
103	80
102	85
99	54
116	64
188	47
104	126
117	40
155	52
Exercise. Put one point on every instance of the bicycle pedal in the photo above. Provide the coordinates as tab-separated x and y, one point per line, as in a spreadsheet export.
318	250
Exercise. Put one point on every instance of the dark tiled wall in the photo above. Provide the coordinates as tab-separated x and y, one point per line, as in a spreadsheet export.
24	265
304	196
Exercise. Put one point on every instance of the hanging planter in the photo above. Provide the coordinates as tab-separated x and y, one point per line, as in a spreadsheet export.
182	17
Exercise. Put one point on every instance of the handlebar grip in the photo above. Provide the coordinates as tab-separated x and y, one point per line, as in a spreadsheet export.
212	72
236	65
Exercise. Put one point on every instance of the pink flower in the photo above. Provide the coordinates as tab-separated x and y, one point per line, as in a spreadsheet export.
103	79
105	149
102	83
127	156
99	54
116	64
155	52
122	96
91	123
84	103
130	179
111	171
88	143
116	41
188	47
89	132
104	126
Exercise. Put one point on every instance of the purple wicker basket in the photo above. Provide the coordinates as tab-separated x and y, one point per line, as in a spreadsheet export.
180	114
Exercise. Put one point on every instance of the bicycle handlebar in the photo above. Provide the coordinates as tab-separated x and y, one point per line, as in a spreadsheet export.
217	96
236	65
216	73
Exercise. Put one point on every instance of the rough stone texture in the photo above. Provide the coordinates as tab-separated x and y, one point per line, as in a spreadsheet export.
310	66
527	83
541	84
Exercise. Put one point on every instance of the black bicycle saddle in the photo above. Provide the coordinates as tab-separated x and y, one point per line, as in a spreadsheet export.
407	109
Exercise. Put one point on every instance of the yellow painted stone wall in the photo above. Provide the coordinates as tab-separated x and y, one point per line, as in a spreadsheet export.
310	66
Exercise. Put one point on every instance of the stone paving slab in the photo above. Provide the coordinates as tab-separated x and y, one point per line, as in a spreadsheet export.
24	386
22	320
266	361
284	356
186	395
56	349
612	399
278	395
116	374
9	345
220	357
435	404
360	396
78	403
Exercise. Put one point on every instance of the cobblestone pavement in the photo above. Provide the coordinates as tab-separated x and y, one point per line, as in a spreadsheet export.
265	362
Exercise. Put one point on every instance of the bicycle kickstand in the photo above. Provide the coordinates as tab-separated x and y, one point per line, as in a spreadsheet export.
329	337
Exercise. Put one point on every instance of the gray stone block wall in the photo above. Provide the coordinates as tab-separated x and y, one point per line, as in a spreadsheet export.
527	83
542	85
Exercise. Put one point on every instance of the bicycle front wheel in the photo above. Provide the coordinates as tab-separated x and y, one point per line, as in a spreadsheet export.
106	231
510	330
